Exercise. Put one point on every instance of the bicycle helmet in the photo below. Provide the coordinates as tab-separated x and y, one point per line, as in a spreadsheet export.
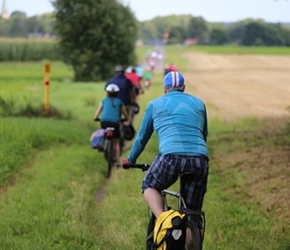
129	69
119	68
173	79
112	88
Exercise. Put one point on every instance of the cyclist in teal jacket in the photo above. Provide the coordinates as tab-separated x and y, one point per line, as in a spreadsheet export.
180	121
111	110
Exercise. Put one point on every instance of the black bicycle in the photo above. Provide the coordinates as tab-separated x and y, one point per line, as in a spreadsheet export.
196	219
109	152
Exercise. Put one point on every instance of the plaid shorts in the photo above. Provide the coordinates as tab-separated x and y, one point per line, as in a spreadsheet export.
164	172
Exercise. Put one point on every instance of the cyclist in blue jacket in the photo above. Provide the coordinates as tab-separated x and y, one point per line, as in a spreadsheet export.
180	121
127	90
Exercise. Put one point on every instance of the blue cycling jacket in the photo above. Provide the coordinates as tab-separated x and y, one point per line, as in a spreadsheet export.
180	121
125	86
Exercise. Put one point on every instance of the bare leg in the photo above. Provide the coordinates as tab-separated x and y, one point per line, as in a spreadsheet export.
154	200
129	112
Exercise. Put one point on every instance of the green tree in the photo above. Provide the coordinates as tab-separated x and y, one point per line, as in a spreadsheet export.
95	35
19	14
154	29
218	37
261	33
235	31
177	35
18	27
198	29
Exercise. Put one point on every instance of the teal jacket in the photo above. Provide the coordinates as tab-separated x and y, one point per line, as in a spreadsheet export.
180	121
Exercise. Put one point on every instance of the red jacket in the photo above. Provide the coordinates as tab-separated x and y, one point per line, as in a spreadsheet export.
134	78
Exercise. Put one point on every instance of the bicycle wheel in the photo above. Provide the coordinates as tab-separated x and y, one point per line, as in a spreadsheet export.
149	239
193	236
110	158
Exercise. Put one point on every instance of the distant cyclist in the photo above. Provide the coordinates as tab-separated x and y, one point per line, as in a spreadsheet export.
127	90
112	108
171	67
135	79
148	78
140	73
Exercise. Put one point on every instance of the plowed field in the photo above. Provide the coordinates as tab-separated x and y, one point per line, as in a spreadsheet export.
236	87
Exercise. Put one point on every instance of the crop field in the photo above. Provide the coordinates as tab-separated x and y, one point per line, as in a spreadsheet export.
258	88
53	188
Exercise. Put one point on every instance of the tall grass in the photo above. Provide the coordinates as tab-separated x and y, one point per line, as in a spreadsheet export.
23	50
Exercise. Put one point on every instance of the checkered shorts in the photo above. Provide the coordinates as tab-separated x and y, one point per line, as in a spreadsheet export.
164	172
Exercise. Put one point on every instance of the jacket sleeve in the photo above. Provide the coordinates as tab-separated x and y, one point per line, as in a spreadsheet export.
143	135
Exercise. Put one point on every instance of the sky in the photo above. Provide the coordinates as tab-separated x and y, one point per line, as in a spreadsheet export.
210	10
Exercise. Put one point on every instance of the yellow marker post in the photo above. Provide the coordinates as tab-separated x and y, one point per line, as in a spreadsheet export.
46	86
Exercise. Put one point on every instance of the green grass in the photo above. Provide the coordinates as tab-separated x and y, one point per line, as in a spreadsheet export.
47	207
55	176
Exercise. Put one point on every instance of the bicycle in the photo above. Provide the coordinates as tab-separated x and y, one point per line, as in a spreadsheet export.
196	219
109	154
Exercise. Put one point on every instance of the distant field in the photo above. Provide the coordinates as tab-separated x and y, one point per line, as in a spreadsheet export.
241	50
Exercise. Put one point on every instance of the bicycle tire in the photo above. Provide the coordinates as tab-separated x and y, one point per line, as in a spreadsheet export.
110	159
193	236
149	239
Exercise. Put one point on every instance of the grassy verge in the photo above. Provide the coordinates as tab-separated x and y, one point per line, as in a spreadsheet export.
47	206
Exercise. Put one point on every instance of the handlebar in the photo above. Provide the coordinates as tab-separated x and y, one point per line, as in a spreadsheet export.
98	119
144	167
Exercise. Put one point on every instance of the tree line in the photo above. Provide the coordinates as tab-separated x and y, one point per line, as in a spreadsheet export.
248	32
93	36
20	25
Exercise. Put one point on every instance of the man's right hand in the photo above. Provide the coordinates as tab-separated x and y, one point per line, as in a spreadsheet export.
125	163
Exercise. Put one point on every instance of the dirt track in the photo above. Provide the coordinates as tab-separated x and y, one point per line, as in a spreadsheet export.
235	87
241	86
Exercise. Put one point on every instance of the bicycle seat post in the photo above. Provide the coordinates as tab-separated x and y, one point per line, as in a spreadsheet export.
183	178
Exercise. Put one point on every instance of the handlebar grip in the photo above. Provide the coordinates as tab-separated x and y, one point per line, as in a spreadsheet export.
126	166
143	167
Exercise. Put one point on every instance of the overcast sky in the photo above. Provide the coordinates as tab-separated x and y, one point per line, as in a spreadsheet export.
210	10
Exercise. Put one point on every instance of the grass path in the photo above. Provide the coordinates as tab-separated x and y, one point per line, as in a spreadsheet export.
47	207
